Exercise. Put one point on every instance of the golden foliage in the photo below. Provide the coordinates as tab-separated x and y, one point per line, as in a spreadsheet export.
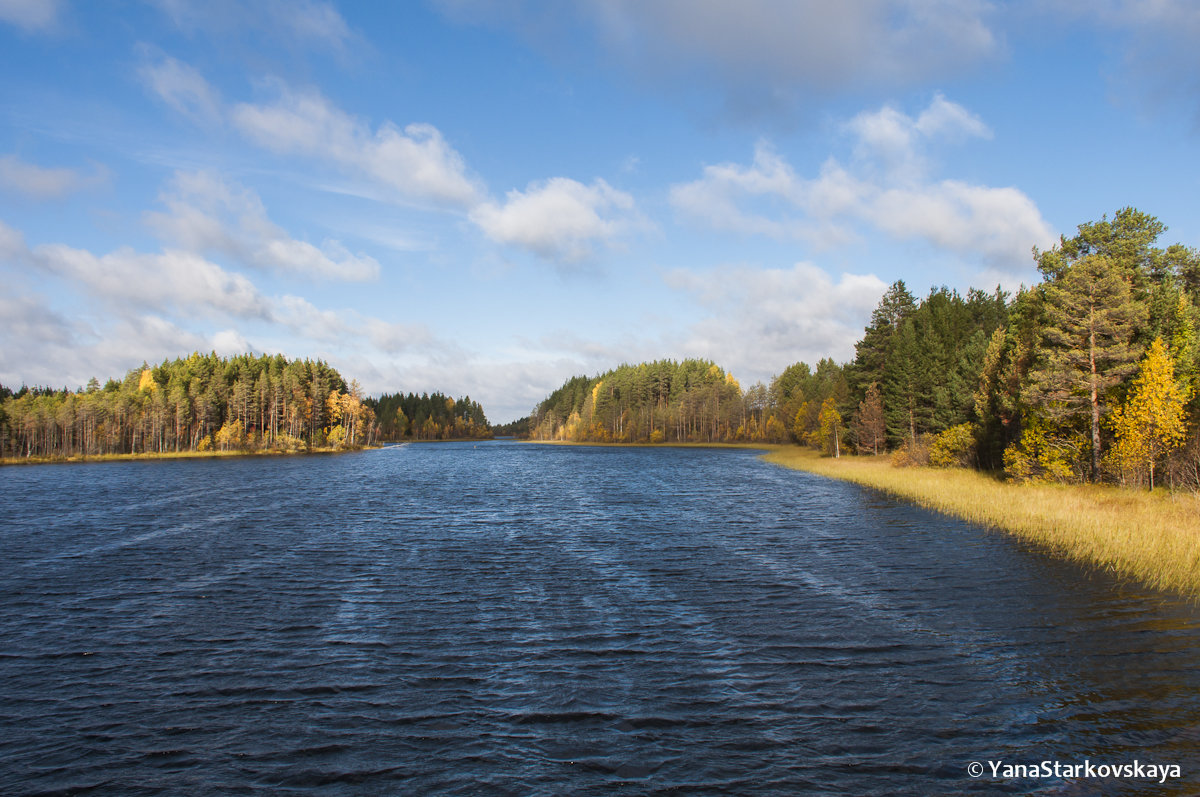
1151	422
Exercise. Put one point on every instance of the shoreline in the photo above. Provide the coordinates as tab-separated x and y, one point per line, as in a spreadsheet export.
1149	538
81	459
765	447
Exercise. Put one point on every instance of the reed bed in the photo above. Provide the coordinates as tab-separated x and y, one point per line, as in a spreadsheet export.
78	459
1151	538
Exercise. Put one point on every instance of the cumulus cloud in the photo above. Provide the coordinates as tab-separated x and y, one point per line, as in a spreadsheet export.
761	320
36	182
559	219
40	345
160	305
888	188
208	214
228	343
180	86
33	16
180	281
999	224
895	140
415	161
764	54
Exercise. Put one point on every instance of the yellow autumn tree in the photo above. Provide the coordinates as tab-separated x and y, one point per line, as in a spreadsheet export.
232	435
1151	422
827	437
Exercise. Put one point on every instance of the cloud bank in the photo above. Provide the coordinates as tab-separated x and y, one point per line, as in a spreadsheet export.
887	188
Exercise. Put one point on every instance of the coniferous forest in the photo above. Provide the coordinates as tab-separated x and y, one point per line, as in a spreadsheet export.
429	417
208	403
1090	375
1093	374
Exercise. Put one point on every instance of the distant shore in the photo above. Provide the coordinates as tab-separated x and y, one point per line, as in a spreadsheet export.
194	454
1150	538
153	456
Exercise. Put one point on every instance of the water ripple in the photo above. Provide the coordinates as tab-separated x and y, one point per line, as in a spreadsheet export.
511	619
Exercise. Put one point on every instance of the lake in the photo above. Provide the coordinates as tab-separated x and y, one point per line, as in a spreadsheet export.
514	619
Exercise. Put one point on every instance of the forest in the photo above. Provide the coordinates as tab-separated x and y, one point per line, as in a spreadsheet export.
207	403
429	417
1089	375
198	403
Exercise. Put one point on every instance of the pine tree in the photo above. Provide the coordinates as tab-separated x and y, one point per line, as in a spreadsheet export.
1087	350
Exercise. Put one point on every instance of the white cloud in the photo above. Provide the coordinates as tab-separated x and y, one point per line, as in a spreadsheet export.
180	86
173	279
415	161
393	338
895	141
31	15
36	182
717	198
559	219
209	214
42	346
229	343
887	189
1001	225
129	304
762	320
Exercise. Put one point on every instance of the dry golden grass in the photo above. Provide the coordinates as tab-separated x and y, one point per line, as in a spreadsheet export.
154	455
1153	538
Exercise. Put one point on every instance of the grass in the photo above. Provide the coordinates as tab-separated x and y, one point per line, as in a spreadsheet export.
1151	538
155	455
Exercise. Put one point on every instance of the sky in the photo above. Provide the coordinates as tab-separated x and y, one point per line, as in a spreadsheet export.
487	198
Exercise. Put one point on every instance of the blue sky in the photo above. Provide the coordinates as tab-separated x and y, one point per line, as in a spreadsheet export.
487	198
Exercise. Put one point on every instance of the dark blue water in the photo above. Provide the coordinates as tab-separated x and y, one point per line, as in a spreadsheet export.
510	619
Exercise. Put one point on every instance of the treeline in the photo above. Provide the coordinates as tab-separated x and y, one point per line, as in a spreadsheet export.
429	417
689	401
201	402
1091	375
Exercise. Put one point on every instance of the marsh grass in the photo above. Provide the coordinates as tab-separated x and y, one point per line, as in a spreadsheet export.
165	455
1152	538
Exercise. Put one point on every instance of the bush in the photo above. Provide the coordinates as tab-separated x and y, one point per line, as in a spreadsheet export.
231	435
288	443
912	455
954	448
336	437
1042	456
